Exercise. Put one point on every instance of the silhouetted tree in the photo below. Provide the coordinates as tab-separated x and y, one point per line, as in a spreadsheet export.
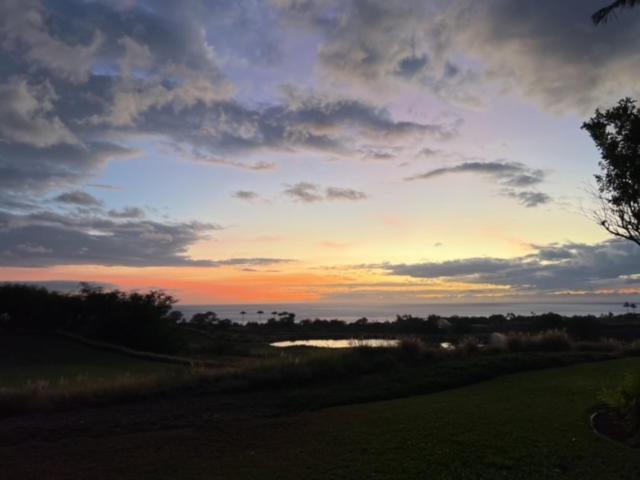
243	313
602	15
260	313
616	133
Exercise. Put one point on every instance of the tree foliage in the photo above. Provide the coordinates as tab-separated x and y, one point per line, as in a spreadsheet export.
616	133
603	15
143	321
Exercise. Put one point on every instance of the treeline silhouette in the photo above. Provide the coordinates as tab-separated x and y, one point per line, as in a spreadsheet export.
283	324
147	321
144	321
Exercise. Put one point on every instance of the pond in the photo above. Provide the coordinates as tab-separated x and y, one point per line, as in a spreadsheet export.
343	343
349	343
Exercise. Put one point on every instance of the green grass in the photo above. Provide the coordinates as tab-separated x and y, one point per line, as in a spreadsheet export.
30	359
530	425
526	426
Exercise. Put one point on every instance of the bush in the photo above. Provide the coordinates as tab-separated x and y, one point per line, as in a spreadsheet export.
549	341
604	345
415	349
632	348
625	400
468	346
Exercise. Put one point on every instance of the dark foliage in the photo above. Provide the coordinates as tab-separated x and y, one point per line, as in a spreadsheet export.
616	133
143	321
602	15
433	327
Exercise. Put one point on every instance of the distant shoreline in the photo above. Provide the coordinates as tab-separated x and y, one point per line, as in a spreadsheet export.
387	312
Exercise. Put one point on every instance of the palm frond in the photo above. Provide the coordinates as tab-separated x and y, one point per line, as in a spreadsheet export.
602	15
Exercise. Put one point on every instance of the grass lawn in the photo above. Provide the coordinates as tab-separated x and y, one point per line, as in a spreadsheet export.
25	359
525	426
530	425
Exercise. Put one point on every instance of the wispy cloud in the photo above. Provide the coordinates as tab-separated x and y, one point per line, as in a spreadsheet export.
247	195
307	192
512	176
554	267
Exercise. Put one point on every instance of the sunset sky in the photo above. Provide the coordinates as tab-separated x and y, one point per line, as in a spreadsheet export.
361	151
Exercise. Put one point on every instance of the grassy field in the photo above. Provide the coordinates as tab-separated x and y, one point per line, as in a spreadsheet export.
525	426
531	425
30	359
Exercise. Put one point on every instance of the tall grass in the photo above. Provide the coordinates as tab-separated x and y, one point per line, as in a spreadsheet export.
548	341
290	370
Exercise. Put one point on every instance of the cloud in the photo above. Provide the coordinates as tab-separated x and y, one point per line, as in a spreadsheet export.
64	286
26	170
507	173
304	192
78	197
247	195
300	122
307	192
24	24
252	262
127	212
528	198
428	152
46	238
553	56
511	175
334	193
467	51
27	115
554	267
200	156
82	81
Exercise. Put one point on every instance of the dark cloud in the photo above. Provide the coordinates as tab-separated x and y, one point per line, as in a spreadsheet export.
127	212
512	175
25	169
47	238
555	267
252	262
464	49
553	55
247	195
334	193
301	122
507	173
79	82
411	66
304	192
428	152
307	192
528	198
63	286
79	198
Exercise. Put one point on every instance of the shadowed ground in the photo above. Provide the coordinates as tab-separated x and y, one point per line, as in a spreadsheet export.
529	425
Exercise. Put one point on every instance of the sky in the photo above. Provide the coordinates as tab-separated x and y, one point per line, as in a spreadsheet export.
354	151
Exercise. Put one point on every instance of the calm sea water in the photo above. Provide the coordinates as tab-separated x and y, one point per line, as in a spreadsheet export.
351	313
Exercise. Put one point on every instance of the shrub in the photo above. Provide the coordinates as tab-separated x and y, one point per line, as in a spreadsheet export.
468	346
549	341
604	345
632	348
625	400
415	349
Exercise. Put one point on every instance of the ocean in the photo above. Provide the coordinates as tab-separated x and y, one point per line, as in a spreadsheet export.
351	312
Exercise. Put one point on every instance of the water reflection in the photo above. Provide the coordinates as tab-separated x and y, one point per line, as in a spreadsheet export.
343	343
349	343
